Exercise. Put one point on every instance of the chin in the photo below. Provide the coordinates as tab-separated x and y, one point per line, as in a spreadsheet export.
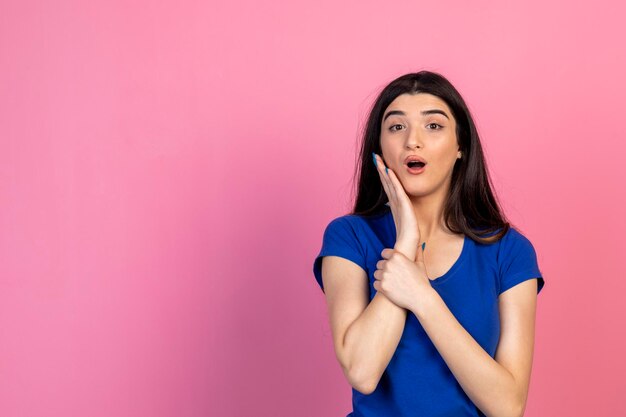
413	191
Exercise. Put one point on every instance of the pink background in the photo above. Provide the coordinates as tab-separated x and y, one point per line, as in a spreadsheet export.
167	170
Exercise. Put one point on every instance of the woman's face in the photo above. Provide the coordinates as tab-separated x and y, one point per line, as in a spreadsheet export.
420	124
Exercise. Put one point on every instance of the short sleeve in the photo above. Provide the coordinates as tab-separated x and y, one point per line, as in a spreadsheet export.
340	239
517	262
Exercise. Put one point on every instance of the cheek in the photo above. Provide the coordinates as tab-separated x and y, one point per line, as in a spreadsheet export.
443	166
387	151
390	142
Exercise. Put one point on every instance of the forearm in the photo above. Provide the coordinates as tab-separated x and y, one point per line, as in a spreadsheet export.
371	341
487	383
373	338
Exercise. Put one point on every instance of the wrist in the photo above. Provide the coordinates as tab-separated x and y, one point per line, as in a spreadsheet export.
408	238
407	248
424	303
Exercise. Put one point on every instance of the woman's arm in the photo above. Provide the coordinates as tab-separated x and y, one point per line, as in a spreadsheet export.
497	387
365	335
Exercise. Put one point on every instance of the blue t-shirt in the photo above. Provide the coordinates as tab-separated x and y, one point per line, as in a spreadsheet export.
417	381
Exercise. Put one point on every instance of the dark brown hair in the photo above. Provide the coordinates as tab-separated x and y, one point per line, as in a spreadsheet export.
471	207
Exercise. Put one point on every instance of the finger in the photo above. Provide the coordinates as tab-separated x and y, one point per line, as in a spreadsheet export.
388	180
402	196
386	253
384	178
397	186
402	199
384	172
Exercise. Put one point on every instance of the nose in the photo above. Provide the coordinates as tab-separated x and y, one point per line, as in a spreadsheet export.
413	139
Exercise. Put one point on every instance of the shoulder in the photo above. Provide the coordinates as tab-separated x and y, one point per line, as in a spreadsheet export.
517	260
514	234
345	228
356	222
342	223
365	233
346	219
511	245
514	240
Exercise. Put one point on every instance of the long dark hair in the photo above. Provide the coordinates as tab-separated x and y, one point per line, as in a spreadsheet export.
471	207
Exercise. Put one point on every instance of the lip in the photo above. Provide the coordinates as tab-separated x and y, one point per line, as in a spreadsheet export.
415	171
414	158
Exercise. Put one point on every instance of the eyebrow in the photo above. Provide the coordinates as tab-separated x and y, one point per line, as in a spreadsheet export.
425	112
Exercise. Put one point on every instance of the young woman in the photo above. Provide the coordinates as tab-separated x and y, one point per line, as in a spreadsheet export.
431	293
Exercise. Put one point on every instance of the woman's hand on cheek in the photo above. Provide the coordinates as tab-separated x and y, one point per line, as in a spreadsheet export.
407	229
400	279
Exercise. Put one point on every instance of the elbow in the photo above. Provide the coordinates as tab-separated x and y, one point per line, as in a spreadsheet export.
365	389
510	408
361	380
519	404
517	411
360	375
509	411
516	408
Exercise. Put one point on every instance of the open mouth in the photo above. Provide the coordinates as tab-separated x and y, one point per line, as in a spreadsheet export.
415	164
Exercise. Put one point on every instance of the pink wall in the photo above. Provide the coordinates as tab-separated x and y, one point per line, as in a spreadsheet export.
167	169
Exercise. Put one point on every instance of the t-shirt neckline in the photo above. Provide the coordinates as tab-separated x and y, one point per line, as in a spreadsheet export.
456	265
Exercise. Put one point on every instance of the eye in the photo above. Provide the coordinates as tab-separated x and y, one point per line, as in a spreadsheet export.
392	128
435	124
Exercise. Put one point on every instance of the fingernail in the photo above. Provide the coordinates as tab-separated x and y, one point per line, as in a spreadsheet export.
387	170
423	246
374	158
